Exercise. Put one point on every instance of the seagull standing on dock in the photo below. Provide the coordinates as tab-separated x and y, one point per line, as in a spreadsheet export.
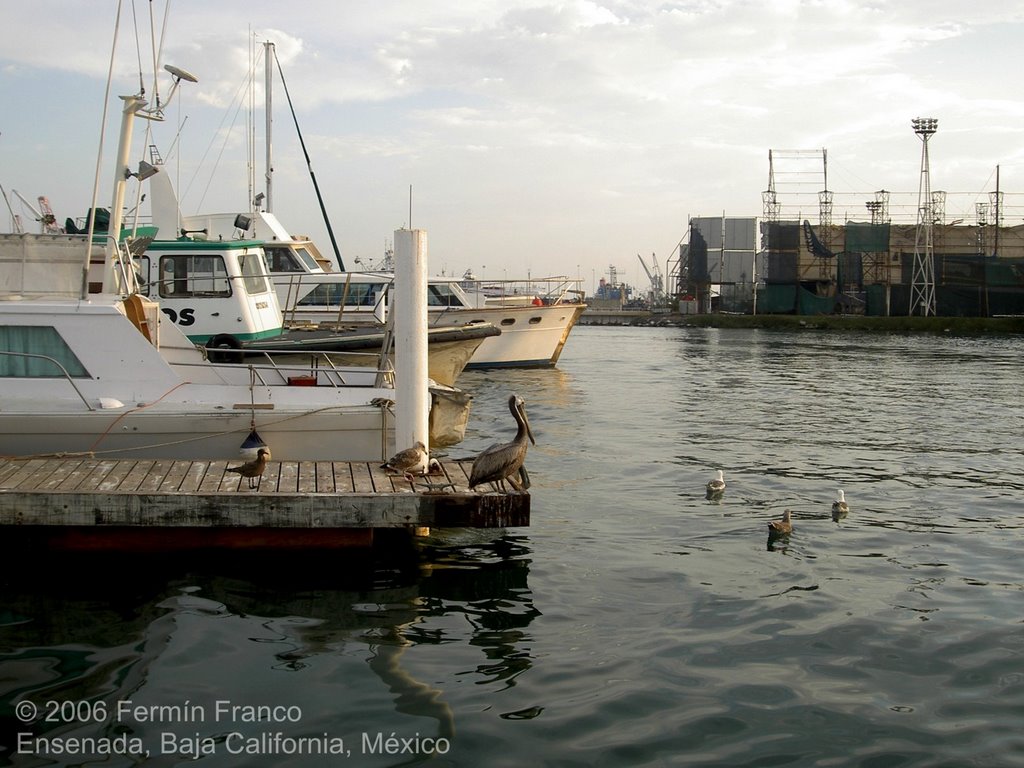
716	486
504	461
409	462
782	527
253	469
839	507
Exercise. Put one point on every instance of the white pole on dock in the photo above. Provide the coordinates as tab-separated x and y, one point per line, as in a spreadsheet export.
412	395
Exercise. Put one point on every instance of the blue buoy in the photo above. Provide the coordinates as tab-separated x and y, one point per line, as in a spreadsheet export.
251	445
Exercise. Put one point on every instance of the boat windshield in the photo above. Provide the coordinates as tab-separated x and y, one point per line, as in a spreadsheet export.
285	258
185	275
330	294
444	295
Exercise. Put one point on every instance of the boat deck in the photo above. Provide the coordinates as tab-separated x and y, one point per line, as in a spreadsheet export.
87	503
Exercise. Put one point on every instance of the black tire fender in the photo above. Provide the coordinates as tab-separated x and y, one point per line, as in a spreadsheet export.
224	348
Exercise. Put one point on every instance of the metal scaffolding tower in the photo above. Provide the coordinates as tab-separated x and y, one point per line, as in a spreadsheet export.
797	183
981	210
769	197
922	288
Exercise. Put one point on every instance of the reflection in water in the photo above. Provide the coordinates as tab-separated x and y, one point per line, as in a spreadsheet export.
160	639
635	622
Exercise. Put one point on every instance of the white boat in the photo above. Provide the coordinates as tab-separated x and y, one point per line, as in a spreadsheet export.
534	322
107	375
216	287
312	294
111	377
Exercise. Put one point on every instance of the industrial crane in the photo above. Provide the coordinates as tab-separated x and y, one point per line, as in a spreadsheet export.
655	276
43	214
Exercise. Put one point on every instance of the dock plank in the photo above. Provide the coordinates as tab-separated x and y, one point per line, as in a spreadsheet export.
212	479
39	474
25	471
387	482
343	480
193	477
138	474
323	474
155	504
9	468
288	481
464	468
362	479
172	480
307	477
58	475
152	482
232	481
116	476
78	475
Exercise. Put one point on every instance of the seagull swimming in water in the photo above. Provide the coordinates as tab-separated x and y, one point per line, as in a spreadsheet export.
716	486
253	469
839	507
410	461
781	527
504	461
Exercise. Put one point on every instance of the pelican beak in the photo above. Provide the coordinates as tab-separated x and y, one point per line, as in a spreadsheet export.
526	421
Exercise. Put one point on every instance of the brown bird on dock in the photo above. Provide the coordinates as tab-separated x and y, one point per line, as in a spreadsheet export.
504	461
781	527
253	469
408	462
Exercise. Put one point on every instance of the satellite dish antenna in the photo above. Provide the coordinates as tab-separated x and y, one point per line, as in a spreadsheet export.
177	74
181	74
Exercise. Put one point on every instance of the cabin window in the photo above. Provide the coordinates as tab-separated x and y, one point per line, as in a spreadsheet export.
442	296
281	259
49	352
331	294
254	272
534	320
183	276
508	321
307	258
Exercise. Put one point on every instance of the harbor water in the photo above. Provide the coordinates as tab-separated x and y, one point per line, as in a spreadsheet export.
636	622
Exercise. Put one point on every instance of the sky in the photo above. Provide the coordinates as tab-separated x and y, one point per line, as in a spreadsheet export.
527	137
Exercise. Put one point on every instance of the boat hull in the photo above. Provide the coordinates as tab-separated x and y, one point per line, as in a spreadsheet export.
534	338
531	336
344	434
449	349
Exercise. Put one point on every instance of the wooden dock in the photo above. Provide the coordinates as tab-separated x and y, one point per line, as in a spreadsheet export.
152	505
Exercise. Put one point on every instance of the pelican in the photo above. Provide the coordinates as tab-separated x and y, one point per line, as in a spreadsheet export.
781	527
716	486
253	469
411	460
502	462
839	507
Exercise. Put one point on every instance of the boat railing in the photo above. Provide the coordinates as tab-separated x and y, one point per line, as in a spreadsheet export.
295	282
317	368
64	371
558	289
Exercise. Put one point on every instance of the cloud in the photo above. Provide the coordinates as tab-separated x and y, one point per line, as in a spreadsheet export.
623	114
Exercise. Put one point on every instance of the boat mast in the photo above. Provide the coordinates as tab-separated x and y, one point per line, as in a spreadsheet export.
268	57
302	143
132	105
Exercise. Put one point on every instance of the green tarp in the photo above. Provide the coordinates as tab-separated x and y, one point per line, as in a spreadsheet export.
866	238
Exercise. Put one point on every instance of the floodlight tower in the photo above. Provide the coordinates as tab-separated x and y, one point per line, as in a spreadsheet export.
922	288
